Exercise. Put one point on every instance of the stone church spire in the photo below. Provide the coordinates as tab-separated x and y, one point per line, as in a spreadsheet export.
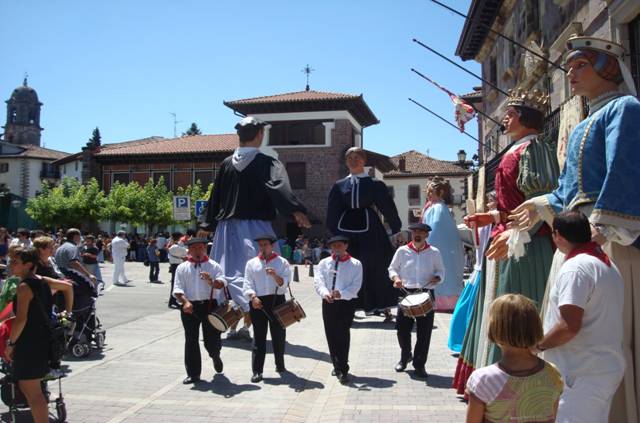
23	116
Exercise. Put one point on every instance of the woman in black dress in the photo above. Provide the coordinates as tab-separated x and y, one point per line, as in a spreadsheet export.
28	346
354	203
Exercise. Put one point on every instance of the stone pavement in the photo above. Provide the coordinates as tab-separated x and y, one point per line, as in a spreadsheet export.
138	376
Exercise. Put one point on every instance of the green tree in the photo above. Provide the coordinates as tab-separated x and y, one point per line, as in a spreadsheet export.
155	207
40	208
89	201
193	130
121	204
96	138
68	204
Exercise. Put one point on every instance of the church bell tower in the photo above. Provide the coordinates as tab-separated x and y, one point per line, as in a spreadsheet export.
23	117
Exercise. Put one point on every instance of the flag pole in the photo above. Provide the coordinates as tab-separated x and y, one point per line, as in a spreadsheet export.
461	67
499	34
450	93
451	124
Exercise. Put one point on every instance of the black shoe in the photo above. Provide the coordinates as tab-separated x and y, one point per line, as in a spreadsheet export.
190	379
257	377
218	365
281	370
344	378
421	373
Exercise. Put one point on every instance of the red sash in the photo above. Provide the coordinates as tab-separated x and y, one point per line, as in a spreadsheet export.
424	247
592	249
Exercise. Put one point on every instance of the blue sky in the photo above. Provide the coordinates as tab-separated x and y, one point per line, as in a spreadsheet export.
125	65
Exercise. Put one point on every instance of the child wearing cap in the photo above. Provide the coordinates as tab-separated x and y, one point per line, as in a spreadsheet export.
337	281
416	267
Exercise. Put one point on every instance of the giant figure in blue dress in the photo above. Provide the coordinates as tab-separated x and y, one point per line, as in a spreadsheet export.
600	178
445	237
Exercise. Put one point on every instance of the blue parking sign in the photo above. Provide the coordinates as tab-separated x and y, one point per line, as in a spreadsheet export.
181	207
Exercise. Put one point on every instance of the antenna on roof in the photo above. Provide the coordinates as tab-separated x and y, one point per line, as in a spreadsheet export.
307	70
175	124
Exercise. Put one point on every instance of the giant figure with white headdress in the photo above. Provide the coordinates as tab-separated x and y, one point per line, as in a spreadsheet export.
600	178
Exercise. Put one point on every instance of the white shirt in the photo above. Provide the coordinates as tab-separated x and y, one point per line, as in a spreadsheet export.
189	283
176	253
256	280
161	242
587	282
26	243
119	247
348	277
416	269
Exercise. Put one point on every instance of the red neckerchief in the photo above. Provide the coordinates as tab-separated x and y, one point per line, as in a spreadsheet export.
344	257
425	247
268	259
192	260
592	249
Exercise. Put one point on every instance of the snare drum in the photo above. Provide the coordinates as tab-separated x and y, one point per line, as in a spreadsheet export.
225	316
289	313
416	305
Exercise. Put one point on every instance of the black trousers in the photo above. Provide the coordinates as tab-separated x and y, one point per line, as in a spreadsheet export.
338	317
172	270
263	320
191	324
424	326
154	270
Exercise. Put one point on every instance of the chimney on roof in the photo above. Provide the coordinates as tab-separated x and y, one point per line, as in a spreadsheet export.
402	164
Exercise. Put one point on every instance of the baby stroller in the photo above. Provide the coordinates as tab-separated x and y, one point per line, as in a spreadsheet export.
10	393
87	332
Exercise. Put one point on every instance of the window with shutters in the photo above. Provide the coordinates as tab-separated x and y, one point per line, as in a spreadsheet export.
297	133
123	178
414	195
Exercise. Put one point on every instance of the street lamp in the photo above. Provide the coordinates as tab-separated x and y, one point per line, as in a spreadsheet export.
462	156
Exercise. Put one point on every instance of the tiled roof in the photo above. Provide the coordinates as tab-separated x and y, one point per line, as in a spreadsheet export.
35	152
417	164
223	143
294	96
306	101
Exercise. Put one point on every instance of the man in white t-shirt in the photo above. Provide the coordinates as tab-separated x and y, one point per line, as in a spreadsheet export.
119	248
583	323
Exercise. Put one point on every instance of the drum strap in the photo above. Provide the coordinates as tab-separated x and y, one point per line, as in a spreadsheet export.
210	305
335	275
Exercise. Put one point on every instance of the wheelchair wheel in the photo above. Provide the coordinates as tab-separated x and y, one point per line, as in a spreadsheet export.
61	411
78	350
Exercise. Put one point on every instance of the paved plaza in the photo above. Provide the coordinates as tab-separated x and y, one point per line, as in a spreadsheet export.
137	378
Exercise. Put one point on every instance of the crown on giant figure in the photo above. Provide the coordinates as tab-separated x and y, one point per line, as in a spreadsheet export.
535	99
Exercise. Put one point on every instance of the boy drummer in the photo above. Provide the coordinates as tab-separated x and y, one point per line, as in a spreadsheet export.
338	280
266	278
416	267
